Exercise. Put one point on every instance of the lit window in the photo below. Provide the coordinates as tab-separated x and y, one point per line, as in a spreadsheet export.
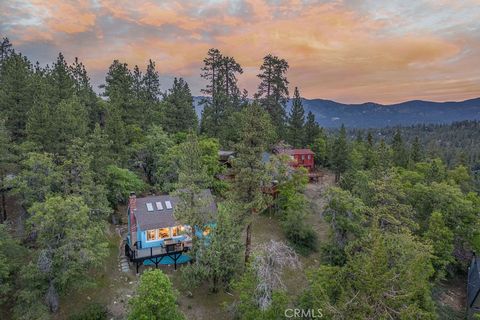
163	233
151	235
206	231
176	231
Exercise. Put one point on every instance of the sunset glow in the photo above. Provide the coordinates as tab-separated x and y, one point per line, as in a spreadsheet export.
341	50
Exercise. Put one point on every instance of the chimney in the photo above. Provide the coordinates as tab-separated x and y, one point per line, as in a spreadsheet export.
132	201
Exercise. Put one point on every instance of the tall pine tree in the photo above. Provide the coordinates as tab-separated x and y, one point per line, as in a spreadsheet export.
296	121
273	90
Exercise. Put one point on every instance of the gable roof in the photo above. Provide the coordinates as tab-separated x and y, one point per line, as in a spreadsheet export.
296	151
473	288
165	217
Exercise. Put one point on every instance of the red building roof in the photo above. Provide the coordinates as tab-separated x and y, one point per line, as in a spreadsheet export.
298	151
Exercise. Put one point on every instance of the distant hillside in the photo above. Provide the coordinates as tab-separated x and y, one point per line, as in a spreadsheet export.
332	114
372	115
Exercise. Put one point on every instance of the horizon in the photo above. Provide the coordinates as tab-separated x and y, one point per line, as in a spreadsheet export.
341	51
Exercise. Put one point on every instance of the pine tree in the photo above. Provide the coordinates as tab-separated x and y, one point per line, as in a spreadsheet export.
250	172
6	165
312	130
223	94
16	93
179	112
340	154
370	157
84	91
53	127
416	155
61	81
6	49
296	120
273	90
400	154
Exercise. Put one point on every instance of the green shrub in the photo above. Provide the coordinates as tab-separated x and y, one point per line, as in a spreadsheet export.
94	311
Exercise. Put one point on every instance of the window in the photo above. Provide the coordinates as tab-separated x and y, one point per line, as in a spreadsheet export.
176	230
151	235
308	157
149	206
168	204
159	205
206	231
163	233
303	157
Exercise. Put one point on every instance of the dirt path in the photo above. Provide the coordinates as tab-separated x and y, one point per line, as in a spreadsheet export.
316	194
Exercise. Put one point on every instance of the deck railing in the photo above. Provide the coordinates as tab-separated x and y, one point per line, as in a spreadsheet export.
168	247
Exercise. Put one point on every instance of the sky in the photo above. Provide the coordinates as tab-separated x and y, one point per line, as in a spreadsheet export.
350	51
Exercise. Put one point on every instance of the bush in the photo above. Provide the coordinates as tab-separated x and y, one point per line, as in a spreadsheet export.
301	236
94	311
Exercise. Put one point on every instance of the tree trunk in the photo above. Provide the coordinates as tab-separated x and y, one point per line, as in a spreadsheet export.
248	242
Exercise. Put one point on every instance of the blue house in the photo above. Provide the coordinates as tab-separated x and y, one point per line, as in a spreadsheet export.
154	235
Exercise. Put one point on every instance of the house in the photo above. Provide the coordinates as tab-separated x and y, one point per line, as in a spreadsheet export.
225	157
473	288
154	235
301	157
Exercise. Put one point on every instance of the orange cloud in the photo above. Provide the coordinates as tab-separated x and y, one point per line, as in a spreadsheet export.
335	50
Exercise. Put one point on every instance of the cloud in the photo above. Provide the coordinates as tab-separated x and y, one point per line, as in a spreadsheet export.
345	50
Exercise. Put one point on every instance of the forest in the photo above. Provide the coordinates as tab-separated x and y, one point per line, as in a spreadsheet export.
401	215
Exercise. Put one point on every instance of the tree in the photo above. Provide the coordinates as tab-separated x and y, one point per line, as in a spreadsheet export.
416	154
40	177
69	243
340	154
60	81
11	258
223	94
179	112
400	154
218	254
370	157
155	298
296	119
441	239
312	130
346	215
273	90
250	172
6	165
85	93
262	294
6	49
54	126
386	276
120	182
193	179
150	155
16	93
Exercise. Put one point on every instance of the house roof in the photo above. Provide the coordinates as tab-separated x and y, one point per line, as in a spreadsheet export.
473	288
296	151
160	214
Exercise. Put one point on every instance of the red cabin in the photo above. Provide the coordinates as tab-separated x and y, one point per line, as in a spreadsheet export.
302	158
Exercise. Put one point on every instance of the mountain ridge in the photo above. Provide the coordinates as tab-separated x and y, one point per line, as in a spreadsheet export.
332	114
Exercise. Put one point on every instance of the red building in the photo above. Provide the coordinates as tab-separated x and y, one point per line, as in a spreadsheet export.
302	158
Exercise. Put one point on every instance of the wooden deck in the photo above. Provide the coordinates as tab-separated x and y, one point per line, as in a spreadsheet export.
171	249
